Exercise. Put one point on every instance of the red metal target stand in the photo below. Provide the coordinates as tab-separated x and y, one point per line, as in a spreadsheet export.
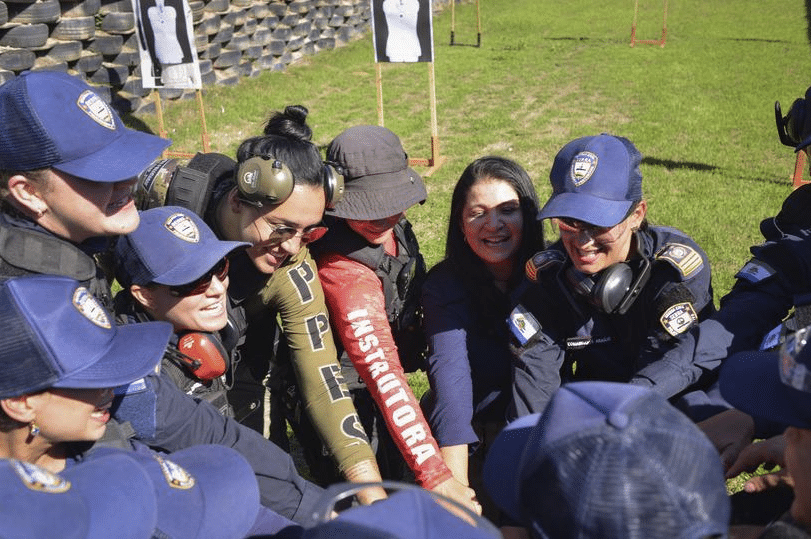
799	168
660	41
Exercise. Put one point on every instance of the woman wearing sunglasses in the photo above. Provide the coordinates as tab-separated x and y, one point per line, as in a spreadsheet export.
174	269
614	294
273	197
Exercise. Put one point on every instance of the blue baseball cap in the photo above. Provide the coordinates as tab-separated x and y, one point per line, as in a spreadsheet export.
774	385
171	246
410	513
608	460
95	500
52	119
595	180
202	492
57	334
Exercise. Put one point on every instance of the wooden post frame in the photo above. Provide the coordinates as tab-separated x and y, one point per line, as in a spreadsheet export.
478	25
162	130
436	160
661	40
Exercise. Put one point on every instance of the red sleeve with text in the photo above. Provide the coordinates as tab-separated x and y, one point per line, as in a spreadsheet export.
355	300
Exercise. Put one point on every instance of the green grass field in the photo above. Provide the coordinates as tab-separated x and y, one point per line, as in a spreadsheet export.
700	109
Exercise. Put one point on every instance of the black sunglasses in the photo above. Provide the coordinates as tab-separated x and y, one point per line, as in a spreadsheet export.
198	286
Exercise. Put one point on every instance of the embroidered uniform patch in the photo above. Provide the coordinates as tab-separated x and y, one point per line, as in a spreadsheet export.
87	304
523	325
583	166
755	271
95	107
182	227
39	479
677	318
175	475
683	257
541	261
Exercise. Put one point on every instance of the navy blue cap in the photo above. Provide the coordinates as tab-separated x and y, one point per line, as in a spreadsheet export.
52	119
608	460
202	492
595	180
57	334
108	497
774	385
411	513
171	246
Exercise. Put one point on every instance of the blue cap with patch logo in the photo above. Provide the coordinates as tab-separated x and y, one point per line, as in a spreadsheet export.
608	460
202	492
53	119
171	246
595	180
90	500
57	334
773	385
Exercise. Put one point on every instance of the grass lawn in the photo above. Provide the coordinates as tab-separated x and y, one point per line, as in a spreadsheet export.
700	109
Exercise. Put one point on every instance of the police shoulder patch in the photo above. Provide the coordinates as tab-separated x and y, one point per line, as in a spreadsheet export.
755	271
684	258
678	318
542	261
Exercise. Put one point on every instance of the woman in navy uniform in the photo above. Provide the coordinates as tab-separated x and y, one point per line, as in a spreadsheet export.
614	294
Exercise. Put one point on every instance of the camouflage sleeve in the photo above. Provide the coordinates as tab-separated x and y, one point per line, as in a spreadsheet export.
295	292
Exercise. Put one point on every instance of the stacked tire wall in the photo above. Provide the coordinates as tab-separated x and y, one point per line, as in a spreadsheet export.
96	40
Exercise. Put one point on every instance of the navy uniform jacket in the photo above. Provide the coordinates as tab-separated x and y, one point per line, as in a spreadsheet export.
560	336
163	416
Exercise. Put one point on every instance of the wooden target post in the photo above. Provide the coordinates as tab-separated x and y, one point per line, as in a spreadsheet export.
436	160
478	25
799	169
162	130
661	40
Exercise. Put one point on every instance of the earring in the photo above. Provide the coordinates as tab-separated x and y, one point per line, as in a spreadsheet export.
33	429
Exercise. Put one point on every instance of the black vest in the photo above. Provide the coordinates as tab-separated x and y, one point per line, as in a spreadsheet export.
401	276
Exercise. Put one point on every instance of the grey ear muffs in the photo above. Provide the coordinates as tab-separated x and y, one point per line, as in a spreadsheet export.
333	182
264	180
614	289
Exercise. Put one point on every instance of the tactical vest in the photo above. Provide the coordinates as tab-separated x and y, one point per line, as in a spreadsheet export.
25	251
402	277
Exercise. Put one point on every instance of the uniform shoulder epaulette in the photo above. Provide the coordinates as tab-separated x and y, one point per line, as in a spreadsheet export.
543	260
684	258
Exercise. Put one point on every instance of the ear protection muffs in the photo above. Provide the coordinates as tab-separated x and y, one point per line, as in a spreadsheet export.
266	180
614	289
334	175
201	354
167	183
792	126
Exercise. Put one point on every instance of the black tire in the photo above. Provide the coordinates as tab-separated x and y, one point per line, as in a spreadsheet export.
302	29
116	6
300	6
124	102
278	9
224	35
210	25
79	8
127	57
262	36
235	18
90	62
216	6
134	86
17	59
65	50
75	28
197	8
211	51
259	11
35	12
239	42
241	3
24	36
228	58
110	75
276	47
46	63
3	13
208	78
205	65
282	33
107	44
118	23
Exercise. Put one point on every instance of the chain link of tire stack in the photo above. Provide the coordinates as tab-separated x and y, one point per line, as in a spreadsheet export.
96	40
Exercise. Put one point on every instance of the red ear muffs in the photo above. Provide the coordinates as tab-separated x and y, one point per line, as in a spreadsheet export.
206	352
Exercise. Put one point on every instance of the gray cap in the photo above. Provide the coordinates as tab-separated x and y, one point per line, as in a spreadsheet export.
378	182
